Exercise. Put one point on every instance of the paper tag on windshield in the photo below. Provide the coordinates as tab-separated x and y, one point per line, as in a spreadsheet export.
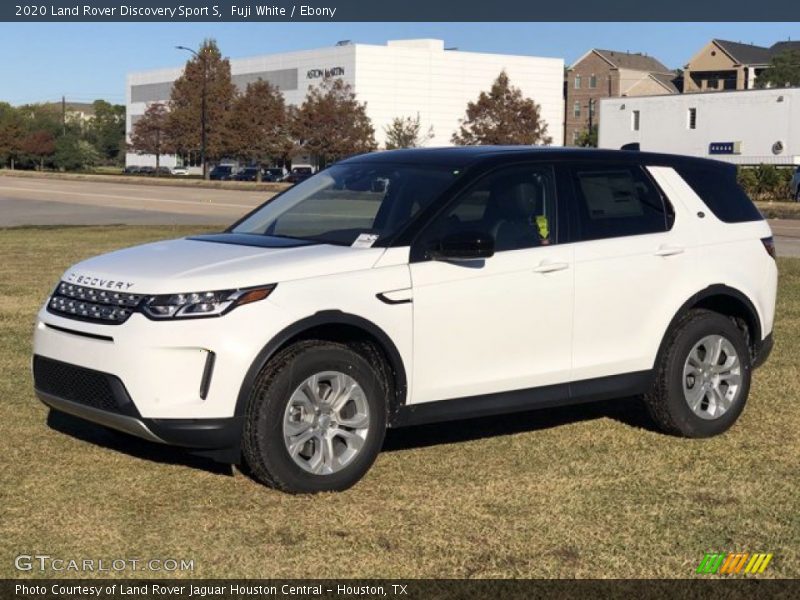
365	240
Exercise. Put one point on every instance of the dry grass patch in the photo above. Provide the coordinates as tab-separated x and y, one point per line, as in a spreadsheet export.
586	491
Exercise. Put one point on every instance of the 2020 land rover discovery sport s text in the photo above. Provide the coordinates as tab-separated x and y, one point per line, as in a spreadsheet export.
414	286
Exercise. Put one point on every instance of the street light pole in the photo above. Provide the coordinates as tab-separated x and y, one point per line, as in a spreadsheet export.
203	101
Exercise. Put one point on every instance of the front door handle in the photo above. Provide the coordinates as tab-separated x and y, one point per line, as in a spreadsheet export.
550	267
667	250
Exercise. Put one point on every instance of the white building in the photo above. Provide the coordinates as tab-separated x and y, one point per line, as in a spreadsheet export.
401	79
742	127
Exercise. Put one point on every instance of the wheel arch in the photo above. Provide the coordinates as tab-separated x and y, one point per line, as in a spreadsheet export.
333	325
724	300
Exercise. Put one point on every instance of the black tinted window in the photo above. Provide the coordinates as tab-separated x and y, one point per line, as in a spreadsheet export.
615	201
718	188
514	206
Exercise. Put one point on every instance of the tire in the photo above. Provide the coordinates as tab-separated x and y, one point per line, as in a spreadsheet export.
280	414
679	381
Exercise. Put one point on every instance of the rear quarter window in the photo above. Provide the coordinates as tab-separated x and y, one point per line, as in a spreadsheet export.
721	193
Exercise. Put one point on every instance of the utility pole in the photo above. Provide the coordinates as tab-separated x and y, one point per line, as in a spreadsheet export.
203	95
63	115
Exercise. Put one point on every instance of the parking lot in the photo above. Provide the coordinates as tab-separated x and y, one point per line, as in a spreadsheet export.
30	201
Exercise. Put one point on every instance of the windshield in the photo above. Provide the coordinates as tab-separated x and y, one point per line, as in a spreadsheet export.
350	202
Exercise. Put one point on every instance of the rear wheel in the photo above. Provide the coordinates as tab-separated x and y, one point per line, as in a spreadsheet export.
703	378
316	419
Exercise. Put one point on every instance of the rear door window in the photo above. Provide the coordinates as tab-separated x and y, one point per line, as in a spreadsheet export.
618	200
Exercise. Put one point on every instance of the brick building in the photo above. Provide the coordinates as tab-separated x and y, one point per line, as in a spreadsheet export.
609	74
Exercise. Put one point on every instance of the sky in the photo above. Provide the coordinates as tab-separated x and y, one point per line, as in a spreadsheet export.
82	61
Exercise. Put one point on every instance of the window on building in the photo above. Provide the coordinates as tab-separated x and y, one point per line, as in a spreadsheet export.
692	118
592	106
593	81
577	82
189	159
576	109
635	120
575	135
617	201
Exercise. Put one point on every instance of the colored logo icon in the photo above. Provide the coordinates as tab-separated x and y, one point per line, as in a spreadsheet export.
733	563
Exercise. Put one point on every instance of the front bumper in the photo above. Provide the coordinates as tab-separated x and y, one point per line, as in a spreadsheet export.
181	370
106	402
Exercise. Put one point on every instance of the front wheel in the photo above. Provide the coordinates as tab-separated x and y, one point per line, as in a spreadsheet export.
703	377
316	419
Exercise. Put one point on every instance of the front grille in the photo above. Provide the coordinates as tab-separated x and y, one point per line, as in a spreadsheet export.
79	384
91	304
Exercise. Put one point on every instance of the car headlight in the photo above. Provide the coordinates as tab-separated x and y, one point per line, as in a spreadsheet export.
202	304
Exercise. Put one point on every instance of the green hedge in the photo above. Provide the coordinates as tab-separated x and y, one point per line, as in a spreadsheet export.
766	183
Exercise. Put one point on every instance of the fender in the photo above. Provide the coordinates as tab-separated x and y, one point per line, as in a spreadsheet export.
717	289
327	317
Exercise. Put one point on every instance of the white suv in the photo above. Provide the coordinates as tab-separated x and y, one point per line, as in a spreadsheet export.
413	286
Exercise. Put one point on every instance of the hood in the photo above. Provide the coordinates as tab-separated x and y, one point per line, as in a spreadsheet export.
193	265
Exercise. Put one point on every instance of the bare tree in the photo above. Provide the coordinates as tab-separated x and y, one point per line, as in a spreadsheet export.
406	132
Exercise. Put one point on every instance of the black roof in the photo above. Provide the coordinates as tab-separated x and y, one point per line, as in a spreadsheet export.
780	47
460	157
745	54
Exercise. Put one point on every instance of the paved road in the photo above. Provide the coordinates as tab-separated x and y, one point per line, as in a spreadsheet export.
59	202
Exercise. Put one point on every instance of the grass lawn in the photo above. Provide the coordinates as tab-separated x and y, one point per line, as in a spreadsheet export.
583	491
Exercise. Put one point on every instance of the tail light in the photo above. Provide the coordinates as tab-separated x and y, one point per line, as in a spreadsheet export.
769	245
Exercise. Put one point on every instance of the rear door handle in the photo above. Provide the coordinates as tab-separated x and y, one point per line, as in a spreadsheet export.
549	267
666	250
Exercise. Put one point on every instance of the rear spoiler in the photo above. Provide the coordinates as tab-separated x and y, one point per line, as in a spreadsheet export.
633	146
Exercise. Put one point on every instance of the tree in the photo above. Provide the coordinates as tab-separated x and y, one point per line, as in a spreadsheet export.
406	132
106	131
73	153
11	132
783	71
260	125
39	145
503	116
587	138
209	71
149	134
46	117
332	124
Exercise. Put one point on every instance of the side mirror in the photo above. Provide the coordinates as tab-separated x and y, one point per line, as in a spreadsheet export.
468	245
